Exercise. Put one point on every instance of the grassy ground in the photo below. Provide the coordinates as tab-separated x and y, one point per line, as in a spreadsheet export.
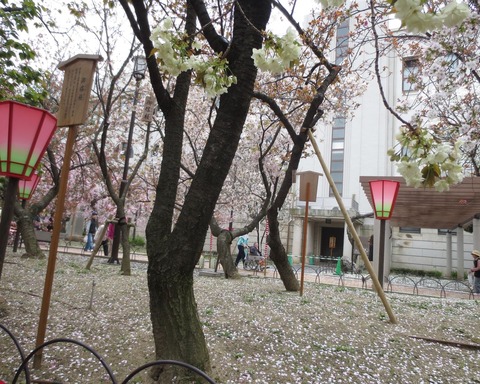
256	332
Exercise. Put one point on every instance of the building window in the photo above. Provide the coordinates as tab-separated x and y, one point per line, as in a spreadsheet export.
410	230
341	50
339	122
452	63
410	71
336	166
339	187
337	145
445	231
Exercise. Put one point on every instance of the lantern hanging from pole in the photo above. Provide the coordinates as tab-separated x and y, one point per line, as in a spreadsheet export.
26	187
139	67
384	194
26	133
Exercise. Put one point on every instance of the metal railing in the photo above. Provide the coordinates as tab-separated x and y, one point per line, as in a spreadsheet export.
25	359
416	285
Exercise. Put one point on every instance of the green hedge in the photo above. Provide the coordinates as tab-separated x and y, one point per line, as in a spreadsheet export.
416	272
138	241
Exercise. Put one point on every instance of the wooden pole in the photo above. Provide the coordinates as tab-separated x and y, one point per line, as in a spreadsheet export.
381	253
52	256
7	215
354	233
304	242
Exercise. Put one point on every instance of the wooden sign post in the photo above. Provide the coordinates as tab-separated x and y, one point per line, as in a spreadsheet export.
308	192
77	85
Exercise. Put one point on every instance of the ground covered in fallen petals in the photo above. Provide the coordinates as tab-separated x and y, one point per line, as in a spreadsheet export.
256	331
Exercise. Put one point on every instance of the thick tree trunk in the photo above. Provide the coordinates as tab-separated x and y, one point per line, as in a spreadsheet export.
173	254
224	244
177	327
26	228
279	255
277	250
125	235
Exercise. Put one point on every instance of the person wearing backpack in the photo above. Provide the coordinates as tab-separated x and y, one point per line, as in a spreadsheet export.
242	243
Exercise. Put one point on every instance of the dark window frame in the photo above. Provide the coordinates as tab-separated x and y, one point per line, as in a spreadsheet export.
445	231
417	230
410	68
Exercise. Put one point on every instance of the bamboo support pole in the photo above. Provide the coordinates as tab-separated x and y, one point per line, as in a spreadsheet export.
356	238
98	243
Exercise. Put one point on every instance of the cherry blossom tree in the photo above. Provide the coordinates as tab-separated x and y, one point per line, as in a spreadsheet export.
88	188
169	246
251	184
177	49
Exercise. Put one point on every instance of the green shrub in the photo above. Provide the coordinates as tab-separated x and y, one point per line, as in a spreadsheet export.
417	272
138	241
454	275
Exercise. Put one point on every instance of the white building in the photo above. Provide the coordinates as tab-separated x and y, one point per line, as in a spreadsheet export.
356	148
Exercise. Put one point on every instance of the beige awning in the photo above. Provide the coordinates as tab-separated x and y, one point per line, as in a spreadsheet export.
427	208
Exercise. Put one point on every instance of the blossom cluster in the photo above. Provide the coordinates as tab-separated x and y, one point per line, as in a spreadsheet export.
278	53
175	55
416	17
212	75
425	161
413	15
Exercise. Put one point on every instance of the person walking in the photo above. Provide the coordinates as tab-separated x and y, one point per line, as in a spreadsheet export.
242	243
476	271
91	229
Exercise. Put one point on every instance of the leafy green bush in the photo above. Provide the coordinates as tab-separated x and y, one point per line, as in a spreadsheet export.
417	272
454	275
137	241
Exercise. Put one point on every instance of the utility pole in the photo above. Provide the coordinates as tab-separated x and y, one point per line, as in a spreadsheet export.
139	69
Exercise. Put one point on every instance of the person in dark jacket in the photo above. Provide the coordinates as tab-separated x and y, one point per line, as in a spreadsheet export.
91	229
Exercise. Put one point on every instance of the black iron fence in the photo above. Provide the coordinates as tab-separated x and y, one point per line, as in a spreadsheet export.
24	361
327	273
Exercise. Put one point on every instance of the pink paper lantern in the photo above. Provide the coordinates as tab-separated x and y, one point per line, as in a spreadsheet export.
26	187
25	133
384	194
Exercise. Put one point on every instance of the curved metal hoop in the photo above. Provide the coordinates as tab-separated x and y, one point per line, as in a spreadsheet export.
168	362
63	340
25	360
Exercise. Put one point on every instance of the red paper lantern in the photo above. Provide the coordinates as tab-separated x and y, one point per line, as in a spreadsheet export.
384	194
26	187
25	134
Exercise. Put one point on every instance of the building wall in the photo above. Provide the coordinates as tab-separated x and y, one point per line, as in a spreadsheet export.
427	251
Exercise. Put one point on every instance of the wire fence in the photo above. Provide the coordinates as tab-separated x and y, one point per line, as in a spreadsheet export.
24	360
417	285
